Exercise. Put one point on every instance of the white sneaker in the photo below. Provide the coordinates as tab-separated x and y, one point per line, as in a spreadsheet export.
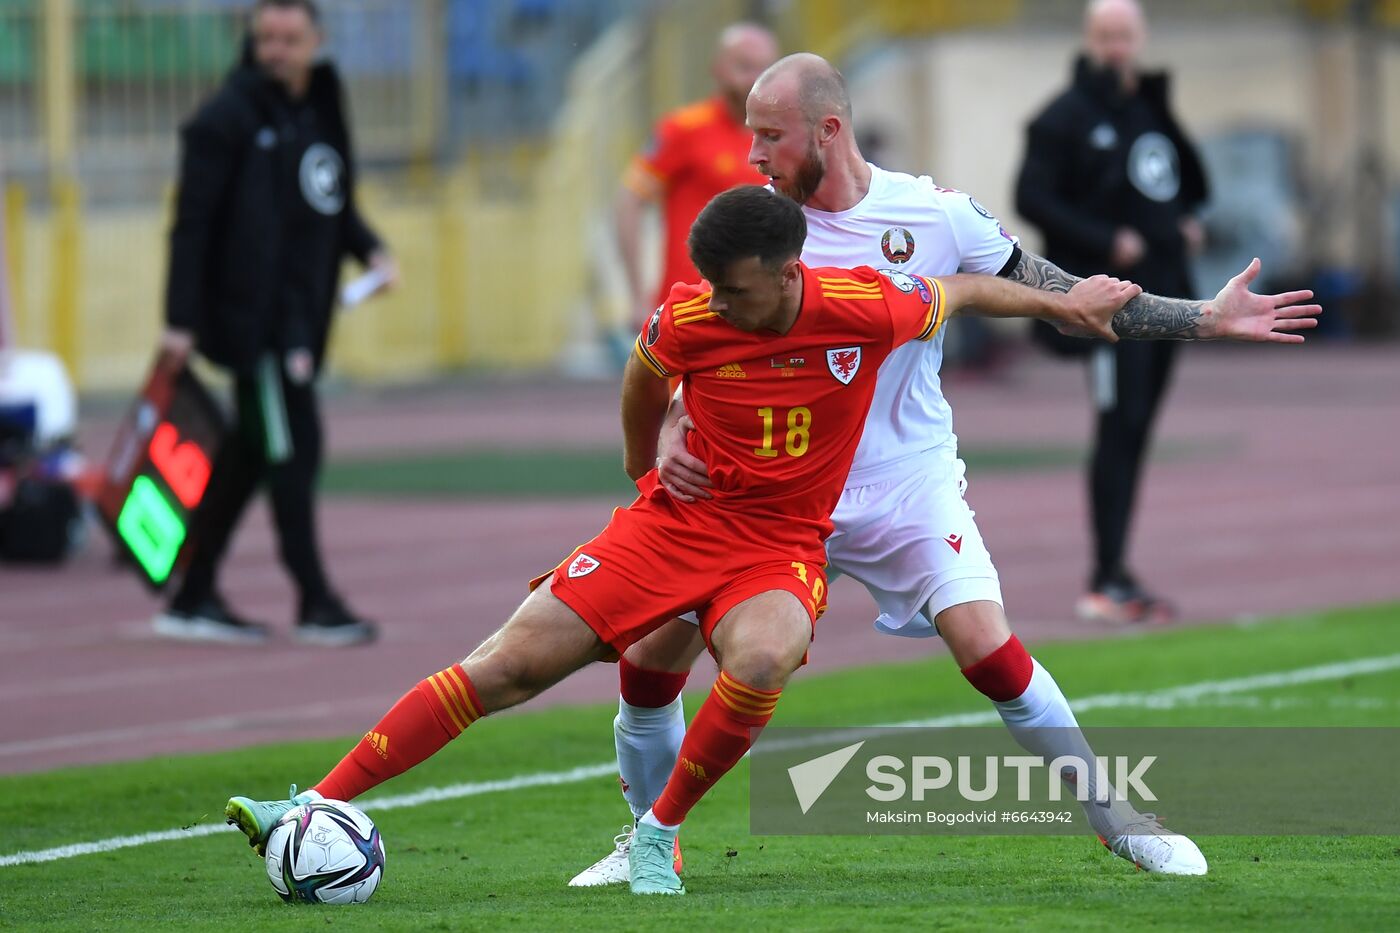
1153	848
211	621
612	868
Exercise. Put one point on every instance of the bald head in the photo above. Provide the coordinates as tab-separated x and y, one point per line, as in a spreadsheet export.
808	84
1115	32
741	54
800	114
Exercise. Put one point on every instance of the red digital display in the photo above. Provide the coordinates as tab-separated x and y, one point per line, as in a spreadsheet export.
159	471
182	465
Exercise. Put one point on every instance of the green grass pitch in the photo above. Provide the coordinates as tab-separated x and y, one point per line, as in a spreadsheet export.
501	860
493	474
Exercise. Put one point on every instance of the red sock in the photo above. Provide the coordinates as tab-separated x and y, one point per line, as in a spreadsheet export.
1004	674
647	688
427	717
722	731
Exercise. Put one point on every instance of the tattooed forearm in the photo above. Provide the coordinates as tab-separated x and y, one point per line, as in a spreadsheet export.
1146	317
1039	272
1150	317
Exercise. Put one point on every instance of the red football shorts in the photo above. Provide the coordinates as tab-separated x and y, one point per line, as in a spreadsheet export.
659	558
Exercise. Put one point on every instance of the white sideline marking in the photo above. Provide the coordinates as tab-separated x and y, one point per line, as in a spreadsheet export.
1171	696
416	799
1163	697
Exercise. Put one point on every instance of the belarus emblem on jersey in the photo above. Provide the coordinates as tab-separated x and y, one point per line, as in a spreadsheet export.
843	363
654	326
897	244
582	566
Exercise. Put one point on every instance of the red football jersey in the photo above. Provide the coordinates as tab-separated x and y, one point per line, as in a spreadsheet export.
778	417
696	153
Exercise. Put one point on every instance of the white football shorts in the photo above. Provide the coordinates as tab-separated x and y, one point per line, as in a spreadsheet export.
913	543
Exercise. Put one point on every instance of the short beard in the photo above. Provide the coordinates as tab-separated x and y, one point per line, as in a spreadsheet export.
809	176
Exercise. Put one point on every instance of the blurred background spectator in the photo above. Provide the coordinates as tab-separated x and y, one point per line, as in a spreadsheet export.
1113	185
694	153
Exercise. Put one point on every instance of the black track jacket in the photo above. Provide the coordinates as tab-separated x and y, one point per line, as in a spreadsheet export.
1096	160
264	217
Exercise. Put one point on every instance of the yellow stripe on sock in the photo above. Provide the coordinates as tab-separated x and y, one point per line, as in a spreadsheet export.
462	709
464	693
447	705
746	690
742	705
453	700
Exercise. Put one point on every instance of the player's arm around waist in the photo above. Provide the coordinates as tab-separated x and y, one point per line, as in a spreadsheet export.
645	399
1088	307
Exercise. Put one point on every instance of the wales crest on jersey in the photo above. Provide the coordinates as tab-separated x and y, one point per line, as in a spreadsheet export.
843	363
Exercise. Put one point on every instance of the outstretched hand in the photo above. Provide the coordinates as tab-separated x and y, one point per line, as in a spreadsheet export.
1091	304
1236	313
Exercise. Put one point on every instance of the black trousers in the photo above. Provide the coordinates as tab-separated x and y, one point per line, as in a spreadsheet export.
1127	381
276	441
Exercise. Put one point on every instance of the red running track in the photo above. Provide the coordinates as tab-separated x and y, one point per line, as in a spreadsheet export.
1291	502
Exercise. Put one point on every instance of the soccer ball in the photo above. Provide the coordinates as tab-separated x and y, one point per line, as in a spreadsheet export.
325	852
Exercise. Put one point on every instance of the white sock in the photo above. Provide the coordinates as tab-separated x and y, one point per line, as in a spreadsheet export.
1043	724
648	742
650	819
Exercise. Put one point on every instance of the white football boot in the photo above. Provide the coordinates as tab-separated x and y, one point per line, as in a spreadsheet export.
614	868
1153	848
611	868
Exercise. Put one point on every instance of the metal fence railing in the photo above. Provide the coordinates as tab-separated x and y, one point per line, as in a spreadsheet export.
97	88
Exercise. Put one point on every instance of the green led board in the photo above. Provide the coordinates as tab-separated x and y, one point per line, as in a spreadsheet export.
159	471
151	528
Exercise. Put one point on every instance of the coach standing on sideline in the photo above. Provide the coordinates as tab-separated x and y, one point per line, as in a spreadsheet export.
1112	183
265	216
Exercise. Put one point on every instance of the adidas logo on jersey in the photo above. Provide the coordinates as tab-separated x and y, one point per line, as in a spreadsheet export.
731	371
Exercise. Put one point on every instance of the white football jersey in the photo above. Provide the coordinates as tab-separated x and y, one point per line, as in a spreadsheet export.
907	224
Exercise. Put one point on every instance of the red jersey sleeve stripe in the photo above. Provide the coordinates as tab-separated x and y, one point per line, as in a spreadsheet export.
850	289
650	362
693	318
693	304
936	310
846	280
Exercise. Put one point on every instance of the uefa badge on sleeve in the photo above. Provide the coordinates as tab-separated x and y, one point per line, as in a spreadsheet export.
908	284
843	363
654	326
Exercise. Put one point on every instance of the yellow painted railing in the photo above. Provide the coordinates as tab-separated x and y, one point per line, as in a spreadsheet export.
506	256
